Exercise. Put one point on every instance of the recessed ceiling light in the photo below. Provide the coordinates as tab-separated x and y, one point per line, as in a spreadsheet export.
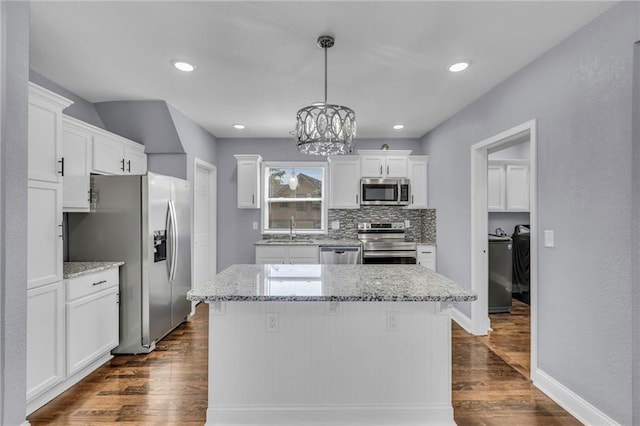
398	126
182	65
459	66
238	126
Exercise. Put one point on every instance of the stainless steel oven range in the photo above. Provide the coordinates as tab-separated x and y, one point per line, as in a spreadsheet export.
386	243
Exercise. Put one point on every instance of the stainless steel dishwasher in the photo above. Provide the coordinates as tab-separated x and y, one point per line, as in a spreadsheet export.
340	255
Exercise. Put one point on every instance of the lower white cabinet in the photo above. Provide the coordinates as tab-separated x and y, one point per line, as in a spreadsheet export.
72	326
45	338
92	317
287	254
427	256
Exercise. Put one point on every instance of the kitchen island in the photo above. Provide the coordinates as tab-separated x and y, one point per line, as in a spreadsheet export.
329	345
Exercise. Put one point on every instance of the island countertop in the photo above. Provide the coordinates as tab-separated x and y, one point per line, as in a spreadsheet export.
314	283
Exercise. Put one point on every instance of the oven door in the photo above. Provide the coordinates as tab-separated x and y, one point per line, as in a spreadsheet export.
389	257
379	192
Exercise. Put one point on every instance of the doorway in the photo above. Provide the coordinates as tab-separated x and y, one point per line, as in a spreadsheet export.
480	322
204	223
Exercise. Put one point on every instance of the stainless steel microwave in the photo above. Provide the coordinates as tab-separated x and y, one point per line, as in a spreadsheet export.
384	192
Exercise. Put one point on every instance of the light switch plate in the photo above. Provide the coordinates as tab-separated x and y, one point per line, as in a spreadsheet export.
255	226
549	238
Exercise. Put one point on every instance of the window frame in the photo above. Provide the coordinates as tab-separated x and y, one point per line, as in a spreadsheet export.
264	203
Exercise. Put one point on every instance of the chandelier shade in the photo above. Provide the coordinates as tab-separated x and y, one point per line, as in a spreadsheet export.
323	128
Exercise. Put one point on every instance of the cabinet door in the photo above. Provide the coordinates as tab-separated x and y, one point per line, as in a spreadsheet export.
45	151
517	177
135	162
44	239
372	166
302	255
76	149
427	256
495	187
108	156
92	328
418	176
396	167
344	181
271	254
248	184
45	338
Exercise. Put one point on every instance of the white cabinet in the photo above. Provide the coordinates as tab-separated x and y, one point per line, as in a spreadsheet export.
115	155
508	186
344	182
45	133
44	236
427	256
293	254
45	338
248	181
384	164
92	317
77	143
419	178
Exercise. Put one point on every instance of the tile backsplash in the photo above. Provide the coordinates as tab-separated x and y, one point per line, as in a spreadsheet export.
423	221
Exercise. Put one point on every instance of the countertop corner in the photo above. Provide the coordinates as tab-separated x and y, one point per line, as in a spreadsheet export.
76	269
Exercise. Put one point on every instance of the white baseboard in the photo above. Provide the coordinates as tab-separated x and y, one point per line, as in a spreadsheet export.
436	414
570	401
26	423
462	320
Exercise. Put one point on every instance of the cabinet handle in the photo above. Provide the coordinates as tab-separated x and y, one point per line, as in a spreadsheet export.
100	282
90	195
122	166
129	166
425	252
253	198
412	199
61	161
356	198
387	169
381	169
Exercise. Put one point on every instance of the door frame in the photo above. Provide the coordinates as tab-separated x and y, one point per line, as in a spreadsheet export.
213	230
480	323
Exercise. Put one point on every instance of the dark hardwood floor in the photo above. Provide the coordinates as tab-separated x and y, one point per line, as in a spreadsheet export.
169	386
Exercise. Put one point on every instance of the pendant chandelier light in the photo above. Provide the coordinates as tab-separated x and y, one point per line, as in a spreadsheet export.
322	128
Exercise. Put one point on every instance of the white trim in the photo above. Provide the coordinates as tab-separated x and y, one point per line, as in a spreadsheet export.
480	324
26	423
570	401
461	319
433	414
213	214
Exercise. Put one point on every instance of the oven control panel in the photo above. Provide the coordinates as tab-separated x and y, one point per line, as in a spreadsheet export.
366	226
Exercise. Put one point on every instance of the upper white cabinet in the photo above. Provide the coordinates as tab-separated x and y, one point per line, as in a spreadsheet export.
383	164
248	181
45	134
419	178
508	185
77	143
115	155
344	182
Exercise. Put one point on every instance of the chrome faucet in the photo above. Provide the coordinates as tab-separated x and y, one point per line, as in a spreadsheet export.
292	228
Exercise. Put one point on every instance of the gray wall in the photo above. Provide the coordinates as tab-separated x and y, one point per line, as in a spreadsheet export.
14	74
635	232
235	232
580	93
81	108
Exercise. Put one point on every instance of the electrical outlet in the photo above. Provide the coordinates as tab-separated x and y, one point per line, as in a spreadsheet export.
255	226
393	321
273	323
407	224
335	224
333	308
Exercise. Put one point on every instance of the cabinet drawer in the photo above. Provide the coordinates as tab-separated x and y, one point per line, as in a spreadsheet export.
426	251
91	283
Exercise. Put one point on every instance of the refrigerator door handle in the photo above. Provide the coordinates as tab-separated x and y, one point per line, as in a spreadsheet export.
170	248
174	242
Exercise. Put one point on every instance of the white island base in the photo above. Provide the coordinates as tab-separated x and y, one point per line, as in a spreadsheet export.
329	363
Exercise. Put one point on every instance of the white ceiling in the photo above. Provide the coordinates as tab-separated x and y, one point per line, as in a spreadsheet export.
257	62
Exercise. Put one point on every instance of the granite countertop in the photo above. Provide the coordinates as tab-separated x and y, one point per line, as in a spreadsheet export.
75	269
322	242
315	283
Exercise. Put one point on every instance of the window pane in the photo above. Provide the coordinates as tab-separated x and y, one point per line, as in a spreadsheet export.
308	215
309	182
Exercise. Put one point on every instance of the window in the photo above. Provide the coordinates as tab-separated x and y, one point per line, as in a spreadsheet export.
305	203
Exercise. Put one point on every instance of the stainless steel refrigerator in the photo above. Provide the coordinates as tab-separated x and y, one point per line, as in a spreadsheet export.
145	222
